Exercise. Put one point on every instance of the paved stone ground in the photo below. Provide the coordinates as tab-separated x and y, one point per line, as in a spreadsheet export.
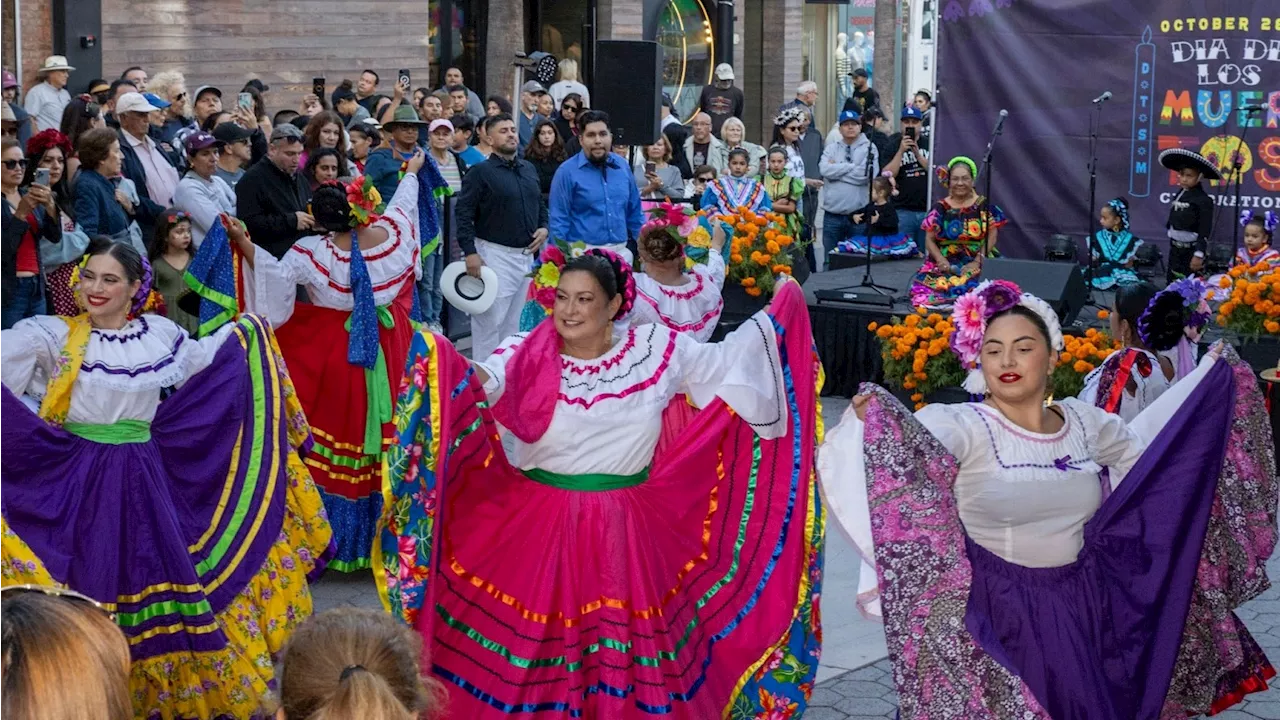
868	693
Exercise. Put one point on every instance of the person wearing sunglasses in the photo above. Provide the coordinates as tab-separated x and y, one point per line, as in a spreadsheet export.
567	119
171	86
28	218
64	657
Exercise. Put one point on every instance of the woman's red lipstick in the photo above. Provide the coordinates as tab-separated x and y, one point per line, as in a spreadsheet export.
1008	378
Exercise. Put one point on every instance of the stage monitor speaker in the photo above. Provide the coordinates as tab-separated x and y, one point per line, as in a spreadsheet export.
628	86
1059	284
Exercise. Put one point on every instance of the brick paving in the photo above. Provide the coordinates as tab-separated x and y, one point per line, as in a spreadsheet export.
868	693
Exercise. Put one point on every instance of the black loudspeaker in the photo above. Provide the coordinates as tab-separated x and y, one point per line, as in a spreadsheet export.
1059	284
628	86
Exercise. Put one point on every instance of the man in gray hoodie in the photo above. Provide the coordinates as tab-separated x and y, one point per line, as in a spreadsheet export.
847	167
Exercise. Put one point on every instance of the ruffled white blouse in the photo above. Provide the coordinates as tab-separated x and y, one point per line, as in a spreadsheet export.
1024	496
324	269
123	370
1146	388
692	308
608	417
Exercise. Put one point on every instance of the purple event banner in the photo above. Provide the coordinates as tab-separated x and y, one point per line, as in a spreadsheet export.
1179	72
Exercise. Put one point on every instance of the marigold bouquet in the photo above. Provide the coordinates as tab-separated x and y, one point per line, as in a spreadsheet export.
1081	354
759	250
917	354
1252	305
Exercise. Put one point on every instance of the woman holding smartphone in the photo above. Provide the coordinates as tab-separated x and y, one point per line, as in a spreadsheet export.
28	217
657	179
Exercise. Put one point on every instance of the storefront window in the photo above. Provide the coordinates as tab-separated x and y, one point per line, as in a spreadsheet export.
560	32
455	41
684	30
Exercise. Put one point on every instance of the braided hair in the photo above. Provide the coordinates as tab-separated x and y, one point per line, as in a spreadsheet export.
659	244
612	272
1120	207
330	208
1162	322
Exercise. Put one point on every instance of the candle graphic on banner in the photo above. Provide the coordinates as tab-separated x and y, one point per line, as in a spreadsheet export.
1144	83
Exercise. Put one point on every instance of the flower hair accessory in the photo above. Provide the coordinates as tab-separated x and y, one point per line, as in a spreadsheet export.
974	310
789	115
1269	219
46	140
626	279
364	199
1192	294
145	300
944	173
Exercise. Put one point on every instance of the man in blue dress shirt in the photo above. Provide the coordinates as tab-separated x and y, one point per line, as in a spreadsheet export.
594	198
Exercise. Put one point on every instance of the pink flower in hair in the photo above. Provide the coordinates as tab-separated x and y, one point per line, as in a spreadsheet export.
969	315
552	254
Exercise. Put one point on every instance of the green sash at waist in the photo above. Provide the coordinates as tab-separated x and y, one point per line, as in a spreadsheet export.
591	482
119	432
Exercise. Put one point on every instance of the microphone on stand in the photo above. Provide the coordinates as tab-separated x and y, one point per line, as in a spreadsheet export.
1251	109
1102	98
998	129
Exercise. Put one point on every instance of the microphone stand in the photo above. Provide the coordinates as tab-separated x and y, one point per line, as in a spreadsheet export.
1237	175
867	280
986	200
1091	237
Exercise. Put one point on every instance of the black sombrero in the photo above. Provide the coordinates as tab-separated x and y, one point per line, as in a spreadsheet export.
1178	159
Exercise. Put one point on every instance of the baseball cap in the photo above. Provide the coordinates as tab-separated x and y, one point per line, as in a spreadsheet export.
155	100
9	80
911	112
287	131
198	141
229	132
439	123
533	86
724	71
848	116
258	85
204	89
97	86
133	102
860	72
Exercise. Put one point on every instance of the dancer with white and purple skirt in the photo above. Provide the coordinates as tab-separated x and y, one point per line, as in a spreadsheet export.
1050	560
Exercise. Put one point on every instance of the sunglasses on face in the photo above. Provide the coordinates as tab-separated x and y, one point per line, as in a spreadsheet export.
704	179
58	592
14	164
792	128
180	98
569	108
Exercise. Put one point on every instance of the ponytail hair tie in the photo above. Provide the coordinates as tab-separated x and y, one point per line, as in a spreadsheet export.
349	670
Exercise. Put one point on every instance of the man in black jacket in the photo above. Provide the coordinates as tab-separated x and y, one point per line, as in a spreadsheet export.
272	197
502	222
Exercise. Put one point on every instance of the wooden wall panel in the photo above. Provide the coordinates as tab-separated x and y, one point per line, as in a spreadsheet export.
284	42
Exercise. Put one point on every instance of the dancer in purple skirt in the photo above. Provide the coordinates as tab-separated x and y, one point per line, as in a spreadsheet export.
1050	560
189	518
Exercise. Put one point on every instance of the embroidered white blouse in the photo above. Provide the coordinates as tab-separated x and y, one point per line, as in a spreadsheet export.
123	370
1146	388
1024	496
325	270
692	308
608	418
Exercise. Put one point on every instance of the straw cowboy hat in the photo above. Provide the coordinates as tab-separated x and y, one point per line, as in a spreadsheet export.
52	63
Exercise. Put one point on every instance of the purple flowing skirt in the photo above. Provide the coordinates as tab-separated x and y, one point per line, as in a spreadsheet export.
172	529
1139	626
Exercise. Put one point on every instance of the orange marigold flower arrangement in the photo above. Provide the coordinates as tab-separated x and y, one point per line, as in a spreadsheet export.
916	354
1252	300
759	251
1081	354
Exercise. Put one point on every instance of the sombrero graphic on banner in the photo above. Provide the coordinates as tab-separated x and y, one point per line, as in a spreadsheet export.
469	294
1179	159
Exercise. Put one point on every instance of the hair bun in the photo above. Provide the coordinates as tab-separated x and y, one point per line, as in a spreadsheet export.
623	276
1162	325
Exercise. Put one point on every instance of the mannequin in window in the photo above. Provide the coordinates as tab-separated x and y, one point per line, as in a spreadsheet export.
843	66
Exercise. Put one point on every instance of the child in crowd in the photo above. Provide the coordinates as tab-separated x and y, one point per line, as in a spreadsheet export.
349	663
1259	230
1114	248
785	191
170	253
735	190
879	226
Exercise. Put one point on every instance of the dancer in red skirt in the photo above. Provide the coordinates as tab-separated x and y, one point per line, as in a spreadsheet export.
346	347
